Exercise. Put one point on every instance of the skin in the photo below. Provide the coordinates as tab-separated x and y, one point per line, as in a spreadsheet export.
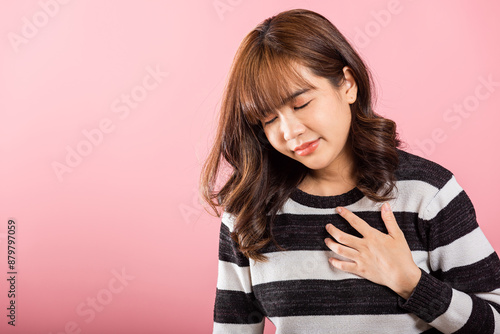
324	112
326	116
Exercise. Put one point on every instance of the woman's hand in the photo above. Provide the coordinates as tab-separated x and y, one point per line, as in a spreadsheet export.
381	258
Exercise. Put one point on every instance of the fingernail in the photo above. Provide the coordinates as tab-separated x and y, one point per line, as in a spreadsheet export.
339	209
385	207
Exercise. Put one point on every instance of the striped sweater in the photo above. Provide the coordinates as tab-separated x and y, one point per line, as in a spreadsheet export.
300	292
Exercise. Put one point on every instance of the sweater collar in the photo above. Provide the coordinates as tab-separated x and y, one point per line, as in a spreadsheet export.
324	202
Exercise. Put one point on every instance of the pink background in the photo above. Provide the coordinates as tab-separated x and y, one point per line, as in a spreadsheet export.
129	204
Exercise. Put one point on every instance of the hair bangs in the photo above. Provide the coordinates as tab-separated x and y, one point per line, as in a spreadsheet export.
269	82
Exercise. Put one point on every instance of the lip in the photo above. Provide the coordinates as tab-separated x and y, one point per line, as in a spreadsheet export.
307	148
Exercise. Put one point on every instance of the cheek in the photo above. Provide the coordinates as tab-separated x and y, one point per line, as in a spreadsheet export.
272	136
276	141
341	121
347	116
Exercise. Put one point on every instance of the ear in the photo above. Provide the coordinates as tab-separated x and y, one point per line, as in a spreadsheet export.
350	88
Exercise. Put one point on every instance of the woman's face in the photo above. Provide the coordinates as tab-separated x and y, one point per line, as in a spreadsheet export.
313	127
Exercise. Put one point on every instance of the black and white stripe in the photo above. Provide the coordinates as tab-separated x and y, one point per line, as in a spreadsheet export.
300	292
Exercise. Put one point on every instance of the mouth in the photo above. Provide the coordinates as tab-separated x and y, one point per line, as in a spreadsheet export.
306	148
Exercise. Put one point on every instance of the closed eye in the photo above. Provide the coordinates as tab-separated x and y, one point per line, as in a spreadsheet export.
302	106
295	108
269	122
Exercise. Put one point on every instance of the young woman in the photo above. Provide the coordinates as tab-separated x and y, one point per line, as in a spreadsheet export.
327	225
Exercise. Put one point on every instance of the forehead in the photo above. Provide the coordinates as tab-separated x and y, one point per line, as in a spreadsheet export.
271	85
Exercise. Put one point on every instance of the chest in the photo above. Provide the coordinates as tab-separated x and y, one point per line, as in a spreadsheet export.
297	279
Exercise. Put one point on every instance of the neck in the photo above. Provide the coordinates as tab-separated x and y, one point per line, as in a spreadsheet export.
336	179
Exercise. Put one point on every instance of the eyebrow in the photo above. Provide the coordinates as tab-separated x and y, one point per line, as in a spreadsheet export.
295	94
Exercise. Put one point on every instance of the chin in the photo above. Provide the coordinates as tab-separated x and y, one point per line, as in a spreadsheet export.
316	165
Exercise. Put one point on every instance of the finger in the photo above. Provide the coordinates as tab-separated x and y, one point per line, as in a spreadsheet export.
342	250
390	220
359	224
342	237
346	266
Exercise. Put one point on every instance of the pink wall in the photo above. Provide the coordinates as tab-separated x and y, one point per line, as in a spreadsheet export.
115	242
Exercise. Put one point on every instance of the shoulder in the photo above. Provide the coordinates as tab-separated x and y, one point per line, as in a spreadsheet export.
434	185
414	168
228	220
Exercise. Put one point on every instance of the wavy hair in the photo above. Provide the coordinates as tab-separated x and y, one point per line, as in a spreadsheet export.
262	76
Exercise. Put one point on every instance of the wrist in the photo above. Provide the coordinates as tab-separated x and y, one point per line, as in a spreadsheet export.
408	282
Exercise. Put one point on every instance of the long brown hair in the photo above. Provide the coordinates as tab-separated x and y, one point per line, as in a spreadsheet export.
261	77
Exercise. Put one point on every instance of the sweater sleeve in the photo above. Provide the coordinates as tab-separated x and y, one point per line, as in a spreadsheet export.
461	293
236	309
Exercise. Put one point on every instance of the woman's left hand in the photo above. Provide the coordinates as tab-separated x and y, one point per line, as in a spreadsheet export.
381	258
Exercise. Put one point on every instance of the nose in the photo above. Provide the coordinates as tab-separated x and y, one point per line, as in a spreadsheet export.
291	126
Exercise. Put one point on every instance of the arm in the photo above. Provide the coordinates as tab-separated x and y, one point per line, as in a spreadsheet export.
462	292
236	309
